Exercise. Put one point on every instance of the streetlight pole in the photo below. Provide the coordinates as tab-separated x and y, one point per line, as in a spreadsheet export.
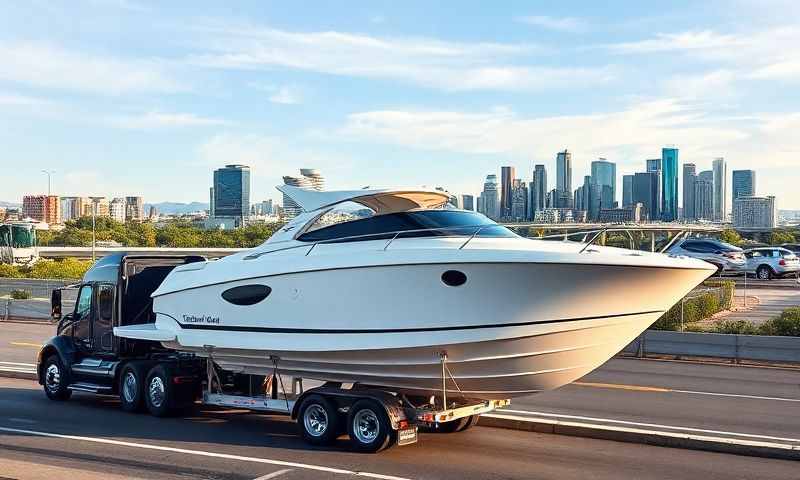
48	173
94	214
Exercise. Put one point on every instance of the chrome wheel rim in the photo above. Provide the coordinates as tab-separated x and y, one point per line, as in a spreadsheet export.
156	391
129	387
52	377
366	426
315	420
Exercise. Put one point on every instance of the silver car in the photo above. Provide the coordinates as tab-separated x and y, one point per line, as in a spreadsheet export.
771	262
726	257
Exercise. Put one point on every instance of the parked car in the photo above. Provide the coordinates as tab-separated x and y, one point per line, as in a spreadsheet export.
772	262
726	257
794	247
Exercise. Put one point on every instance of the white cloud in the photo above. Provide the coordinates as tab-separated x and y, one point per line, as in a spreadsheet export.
50	66
683	41
717	84
781	70
450	66
562	24
285	96
16	100
156	120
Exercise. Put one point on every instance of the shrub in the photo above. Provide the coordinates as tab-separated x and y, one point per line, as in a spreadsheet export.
740	327
9	271
728	289
20	294
787	324
68	268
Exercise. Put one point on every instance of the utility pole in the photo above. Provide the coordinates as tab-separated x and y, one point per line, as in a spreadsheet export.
48	173
94	214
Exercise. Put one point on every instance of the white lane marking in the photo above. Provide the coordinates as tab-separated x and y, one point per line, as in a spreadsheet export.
652	425
201	453
274	474
17	369
705	438
32	365
738	395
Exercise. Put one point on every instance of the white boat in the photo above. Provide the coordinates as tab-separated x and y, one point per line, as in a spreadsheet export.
382	300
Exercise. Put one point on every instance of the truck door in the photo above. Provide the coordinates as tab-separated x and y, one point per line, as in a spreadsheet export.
82	320
101	325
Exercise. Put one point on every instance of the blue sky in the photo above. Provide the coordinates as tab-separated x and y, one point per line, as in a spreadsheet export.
126	97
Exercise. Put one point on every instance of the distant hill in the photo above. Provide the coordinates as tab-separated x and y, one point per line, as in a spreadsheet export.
10	205
175	208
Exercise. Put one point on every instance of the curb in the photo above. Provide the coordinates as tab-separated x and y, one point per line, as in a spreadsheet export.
647	437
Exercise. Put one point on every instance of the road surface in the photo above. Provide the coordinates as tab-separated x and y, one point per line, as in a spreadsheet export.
105	442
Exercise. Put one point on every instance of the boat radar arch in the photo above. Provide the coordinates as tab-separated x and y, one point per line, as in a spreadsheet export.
384	200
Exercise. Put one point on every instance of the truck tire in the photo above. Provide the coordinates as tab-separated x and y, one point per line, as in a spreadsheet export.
159	392
369	427
131	387
55	379
318	420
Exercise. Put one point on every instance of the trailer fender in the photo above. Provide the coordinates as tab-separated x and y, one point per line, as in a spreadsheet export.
345	398
58	345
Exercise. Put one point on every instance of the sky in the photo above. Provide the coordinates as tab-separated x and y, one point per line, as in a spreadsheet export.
131	97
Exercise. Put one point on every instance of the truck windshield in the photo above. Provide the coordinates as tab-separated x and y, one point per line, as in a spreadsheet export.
419	223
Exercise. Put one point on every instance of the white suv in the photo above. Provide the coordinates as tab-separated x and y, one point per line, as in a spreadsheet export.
726	257
769	262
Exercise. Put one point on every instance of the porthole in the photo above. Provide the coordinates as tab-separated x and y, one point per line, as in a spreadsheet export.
454	278
246	294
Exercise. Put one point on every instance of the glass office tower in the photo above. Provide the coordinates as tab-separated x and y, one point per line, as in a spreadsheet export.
669	184
232	192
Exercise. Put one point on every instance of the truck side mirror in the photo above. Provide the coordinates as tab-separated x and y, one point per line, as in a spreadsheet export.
55	304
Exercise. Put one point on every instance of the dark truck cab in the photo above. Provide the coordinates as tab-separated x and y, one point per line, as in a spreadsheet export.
85	355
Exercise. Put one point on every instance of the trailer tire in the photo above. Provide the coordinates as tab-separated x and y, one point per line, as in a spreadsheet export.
369	427
131	387
472	420
451	426
55	379
318	420
159	392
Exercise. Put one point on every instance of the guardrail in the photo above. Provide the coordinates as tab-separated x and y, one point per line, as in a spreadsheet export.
37	287
733	347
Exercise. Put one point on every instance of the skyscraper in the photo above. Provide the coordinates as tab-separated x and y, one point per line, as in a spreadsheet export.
539	190
704	195
689	176
563	179
309	179
134	209
754	213
467	202
507	175
604	175
744	183
519	200
720	199
669	184
488	199
232	193
117	209
653	165
646	186
627	190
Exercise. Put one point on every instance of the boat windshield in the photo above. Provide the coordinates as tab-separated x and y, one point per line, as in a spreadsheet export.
415	223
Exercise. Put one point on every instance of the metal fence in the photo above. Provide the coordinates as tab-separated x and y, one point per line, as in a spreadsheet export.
37	288
733	347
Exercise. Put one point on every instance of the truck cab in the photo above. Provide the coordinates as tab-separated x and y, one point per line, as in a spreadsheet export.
85	355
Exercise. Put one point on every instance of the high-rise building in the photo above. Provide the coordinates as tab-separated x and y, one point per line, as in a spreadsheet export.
653	165
45	208
704	196
117	209
754	213
519	200
467	202
100	205
211	203
627	190
232	193
744	183
489	200
669	184
645	191
73	208
720	183
539	189
309	179
564	179
689	176
604	175
134	209
507	175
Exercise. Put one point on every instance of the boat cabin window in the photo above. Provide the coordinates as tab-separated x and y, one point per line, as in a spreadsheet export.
415	223
341	213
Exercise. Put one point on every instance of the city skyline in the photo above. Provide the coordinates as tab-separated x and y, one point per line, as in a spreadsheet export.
382	95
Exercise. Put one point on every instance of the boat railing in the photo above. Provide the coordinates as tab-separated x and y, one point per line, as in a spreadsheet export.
474	231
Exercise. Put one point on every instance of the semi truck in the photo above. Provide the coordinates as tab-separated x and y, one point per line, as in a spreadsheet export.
86	356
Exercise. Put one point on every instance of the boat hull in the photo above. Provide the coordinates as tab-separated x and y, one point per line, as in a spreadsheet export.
511	329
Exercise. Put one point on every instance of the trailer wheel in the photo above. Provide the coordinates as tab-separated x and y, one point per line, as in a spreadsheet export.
131	387
159	392
451	426
55	379
472	420
369	427
318	420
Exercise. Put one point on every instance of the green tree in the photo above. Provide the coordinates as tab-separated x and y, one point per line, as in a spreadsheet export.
731	236
778	237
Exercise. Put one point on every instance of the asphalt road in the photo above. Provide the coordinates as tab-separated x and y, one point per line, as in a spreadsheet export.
217	444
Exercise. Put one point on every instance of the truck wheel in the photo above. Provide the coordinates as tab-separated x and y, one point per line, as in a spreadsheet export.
159	392
369	427
318	420
131	387
55	379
